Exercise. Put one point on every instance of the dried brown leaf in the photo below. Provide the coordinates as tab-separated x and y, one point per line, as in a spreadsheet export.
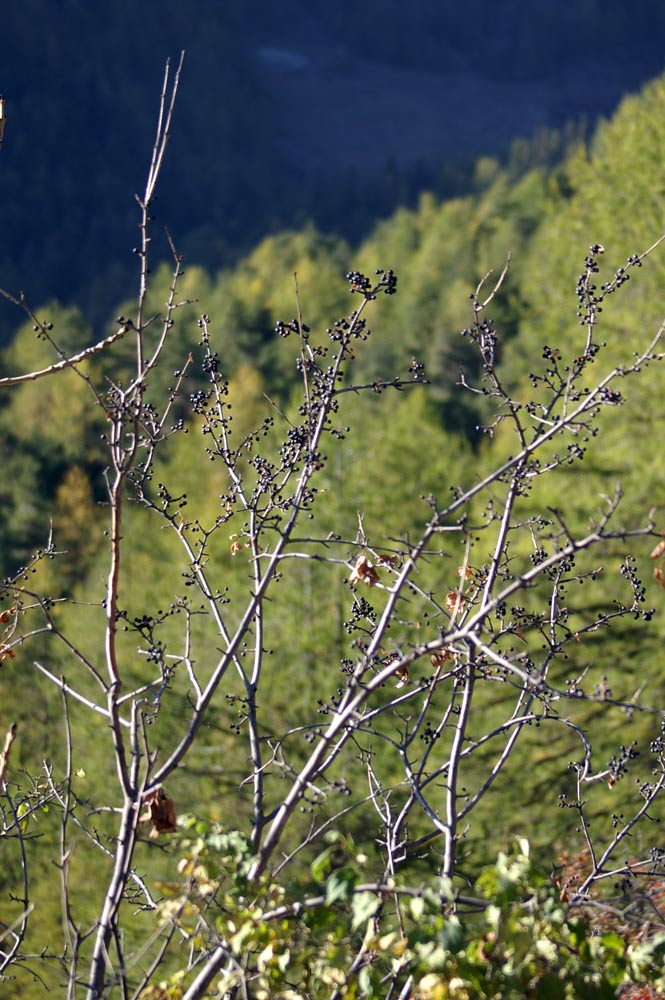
160	812
440	657
454	602
659	550
364	572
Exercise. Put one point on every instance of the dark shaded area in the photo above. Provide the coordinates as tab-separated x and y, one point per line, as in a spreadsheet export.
330	112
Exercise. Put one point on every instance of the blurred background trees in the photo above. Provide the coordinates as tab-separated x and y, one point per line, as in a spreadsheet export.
432	87
231	198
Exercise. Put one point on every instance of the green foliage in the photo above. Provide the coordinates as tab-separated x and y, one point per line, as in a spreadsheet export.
441	252
517	939
45	428
194	289
49	417
248	301
341	924
610	195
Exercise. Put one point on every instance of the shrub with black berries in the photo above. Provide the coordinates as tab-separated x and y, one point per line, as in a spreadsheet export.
447	685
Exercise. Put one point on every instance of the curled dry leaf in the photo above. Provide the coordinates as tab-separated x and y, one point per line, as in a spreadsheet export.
454	601
363	572
659	550
160	811
401	672
440	657
236	545
8	618
658	576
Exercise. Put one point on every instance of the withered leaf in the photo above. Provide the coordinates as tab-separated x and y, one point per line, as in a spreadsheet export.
402	674
363	572
454	601
659	550
160	811
441	656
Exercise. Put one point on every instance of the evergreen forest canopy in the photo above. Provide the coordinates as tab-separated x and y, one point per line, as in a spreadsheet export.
79	80
244	351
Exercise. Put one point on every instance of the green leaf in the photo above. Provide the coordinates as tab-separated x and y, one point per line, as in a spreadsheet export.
648	955
320	865
284	960
547	949
452	935
363	906
365	983
340	884
23	810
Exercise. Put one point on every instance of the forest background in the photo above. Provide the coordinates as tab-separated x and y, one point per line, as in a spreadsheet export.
248	205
